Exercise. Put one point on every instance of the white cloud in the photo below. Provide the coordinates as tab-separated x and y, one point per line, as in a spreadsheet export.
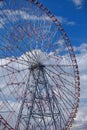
81	119
81	52
80	122
44	59
82	48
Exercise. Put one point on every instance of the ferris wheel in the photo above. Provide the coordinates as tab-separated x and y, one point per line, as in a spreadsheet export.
39	77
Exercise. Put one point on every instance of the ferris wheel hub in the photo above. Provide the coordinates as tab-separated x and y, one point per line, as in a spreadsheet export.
37	66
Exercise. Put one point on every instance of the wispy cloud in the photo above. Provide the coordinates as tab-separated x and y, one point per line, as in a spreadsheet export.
14	16
66	21
78	3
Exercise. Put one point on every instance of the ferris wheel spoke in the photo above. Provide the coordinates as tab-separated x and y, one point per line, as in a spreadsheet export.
68	92
57	84
64	90
8	42
12	92
11	69
28	57
8	48
11	61
59	65
42	115
52	36
21	62
43	118
21	107
49	100
63	97
60	110
15	58
64	109
25	45
6	75
40	109
8	105
4	48
21	81
56	101
49	42
38	123
64	80
61	71
63	86
66	99
22	30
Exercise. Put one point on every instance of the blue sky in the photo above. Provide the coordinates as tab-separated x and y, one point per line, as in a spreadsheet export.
73	15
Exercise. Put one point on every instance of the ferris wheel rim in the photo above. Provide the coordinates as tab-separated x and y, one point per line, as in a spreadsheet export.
71	52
